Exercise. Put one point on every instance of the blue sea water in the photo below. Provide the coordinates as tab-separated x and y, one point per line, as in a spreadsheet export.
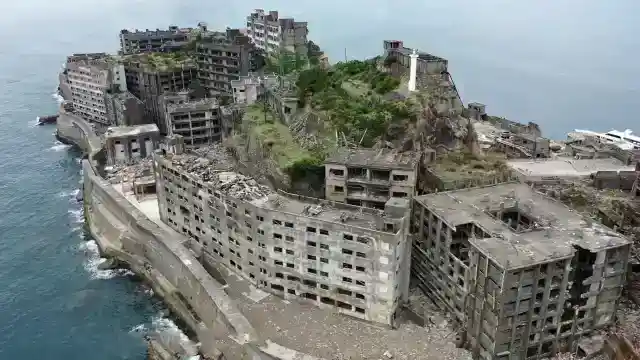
564	64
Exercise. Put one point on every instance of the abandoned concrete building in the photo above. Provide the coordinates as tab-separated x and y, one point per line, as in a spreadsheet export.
221	58
272	34
88	77
429	73
134	42
525	275
123	109
369	178
477	111
250	88
197	121
523	145
148	78
351	259
126	144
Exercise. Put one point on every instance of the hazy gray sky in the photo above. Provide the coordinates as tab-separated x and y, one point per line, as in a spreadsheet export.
562	63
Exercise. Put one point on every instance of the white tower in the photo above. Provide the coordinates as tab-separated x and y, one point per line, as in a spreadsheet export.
413	70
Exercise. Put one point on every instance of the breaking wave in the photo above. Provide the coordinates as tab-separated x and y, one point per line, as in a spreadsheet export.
59	99
77	215
69	194
94	260
162	326
58	146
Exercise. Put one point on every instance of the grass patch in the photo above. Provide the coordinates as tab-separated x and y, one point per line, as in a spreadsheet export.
277	140
464	166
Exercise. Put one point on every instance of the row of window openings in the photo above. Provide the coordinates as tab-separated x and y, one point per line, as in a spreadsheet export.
313	284
280	249
324	300
345	279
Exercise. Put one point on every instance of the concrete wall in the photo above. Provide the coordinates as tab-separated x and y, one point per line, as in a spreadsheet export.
116	224
122	231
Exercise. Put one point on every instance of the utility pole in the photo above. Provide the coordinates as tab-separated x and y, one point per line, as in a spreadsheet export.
345	54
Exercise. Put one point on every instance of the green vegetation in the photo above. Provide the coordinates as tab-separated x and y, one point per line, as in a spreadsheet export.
464	166
276	139
349	96
285	62
162	61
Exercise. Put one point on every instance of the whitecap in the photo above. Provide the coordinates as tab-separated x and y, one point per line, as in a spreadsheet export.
59	99
94	260
77	215
58	146
165	326
69	194
138	328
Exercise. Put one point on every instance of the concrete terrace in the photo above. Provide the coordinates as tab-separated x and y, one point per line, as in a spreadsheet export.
553	228
566	168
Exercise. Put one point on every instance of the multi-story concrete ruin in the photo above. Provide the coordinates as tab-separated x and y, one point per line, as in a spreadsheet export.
273	34
248	89
88	77
369	178
123	108
137	41
351	259
198	121
148	76
127	144
223	57
525	275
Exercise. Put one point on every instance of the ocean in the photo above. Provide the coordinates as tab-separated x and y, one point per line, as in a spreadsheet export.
564	65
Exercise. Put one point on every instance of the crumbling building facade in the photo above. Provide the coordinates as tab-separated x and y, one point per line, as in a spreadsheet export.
137	41
369	178
351	259
198	121
249	89
88	77
272	34
127	144
525	275
147	80
123	108
223	57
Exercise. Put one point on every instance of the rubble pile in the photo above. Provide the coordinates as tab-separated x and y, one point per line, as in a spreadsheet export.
214	166
126	172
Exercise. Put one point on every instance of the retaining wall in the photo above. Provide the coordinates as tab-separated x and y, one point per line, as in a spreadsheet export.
124	232
118	225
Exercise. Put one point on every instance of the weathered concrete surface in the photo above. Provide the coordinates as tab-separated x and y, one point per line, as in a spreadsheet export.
75	130
122	230
541	171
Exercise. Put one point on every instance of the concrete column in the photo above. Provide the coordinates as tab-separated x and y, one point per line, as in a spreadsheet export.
413	67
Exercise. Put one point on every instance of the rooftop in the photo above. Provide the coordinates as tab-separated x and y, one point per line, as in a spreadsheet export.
160	61
383	158
124	131
215	170
421	55
550	229
195	105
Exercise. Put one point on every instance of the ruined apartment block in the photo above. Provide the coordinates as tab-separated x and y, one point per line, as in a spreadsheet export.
369	178
127	144
524	274
87	78
350	259
197	121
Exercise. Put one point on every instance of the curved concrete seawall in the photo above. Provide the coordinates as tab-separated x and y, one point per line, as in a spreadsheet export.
122	231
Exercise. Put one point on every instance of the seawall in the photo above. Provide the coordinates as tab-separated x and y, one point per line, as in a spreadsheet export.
122	231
